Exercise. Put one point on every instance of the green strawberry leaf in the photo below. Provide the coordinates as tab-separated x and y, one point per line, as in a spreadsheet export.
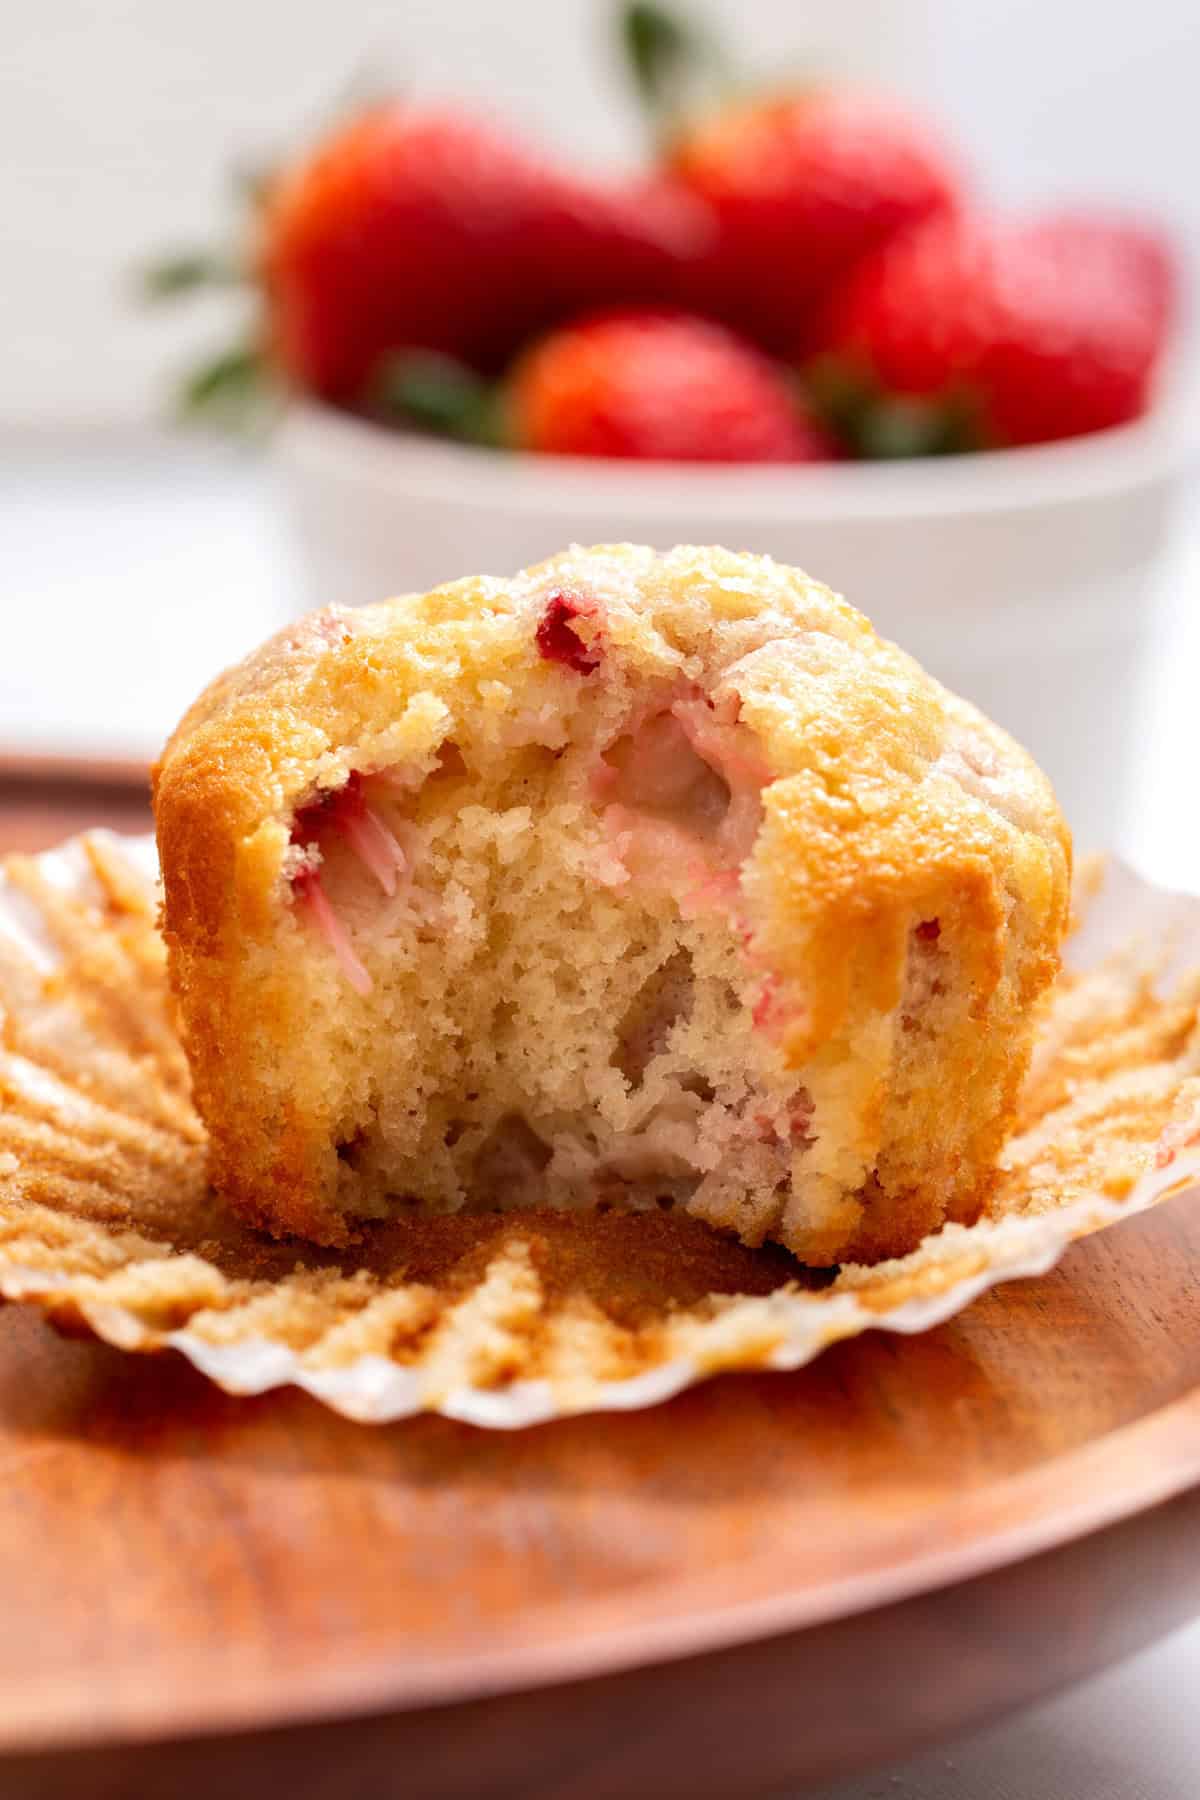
658	46
235	391
675	66
897	427
882	427
438	394
189	271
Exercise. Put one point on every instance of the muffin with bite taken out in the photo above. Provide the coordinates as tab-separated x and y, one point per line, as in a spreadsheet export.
637	879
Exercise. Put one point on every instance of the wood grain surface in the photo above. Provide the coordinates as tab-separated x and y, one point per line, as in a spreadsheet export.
44	799
770	1579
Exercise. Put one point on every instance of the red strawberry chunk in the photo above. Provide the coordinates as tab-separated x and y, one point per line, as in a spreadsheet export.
345	811
559	642
681	791
328	809
312	897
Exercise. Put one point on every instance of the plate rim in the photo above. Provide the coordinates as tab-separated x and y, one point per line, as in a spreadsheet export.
1159	1453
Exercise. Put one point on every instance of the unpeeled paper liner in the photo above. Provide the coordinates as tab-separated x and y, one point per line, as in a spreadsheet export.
106	1222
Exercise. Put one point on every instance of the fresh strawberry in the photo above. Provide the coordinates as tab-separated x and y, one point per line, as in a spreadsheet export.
421	228
660	385
1117	249
965	334
800	184
801	188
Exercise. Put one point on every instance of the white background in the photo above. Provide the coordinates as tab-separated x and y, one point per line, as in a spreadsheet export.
118	116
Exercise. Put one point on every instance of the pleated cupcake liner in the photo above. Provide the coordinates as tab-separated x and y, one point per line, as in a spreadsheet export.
108	1225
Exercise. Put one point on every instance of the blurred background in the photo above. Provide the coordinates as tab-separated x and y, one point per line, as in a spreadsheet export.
137	559
118	123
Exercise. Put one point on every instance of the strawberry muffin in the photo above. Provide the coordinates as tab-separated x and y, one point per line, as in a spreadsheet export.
637	880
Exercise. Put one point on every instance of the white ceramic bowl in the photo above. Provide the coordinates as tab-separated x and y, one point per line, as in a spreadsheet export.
1024	579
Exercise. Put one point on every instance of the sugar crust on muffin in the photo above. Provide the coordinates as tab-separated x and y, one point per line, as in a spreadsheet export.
638	879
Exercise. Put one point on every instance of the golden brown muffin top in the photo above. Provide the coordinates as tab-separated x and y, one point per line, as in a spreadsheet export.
889	799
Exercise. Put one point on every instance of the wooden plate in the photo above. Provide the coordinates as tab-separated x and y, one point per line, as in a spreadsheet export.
770	1579
44	799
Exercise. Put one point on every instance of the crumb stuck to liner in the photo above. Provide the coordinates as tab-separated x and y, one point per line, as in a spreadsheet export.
107	1223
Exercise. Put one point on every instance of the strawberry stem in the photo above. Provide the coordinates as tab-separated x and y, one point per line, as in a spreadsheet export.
674	65
896	427
882	427
233	390
438	394
189	271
